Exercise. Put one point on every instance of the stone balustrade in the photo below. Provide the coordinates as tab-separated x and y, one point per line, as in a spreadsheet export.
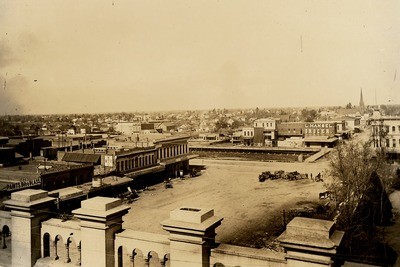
134	248
96	237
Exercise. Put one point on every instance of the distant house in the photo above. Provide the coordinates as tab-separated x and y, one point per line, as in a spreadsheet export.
183	128
147	127
353	123
166	127
72	130
236	137
209	137
126	128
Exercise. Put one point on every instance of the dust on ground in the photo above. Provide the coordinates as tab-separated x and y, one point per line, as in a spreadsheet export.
250	208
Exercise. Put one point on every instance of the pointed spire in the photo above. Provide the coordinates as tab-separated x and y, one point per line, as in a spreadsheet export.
361	106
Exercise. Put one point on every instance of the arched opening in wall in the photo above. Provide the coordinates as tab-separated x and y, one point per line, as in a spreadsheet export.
153	259
166	260
5	235
72	250
60	250
138	258
218	264
120	257
123	258
46	245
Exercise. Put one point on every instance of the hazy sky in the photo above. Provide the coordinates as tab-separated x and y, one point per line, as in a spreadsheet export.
102	56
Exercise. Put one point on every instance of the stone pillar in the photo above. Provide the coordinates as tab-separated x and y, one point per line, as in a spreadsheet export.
163	261
147	260
192	236
28	209
68	259
310	242
4	240
101	218
55	249
132	258
78	263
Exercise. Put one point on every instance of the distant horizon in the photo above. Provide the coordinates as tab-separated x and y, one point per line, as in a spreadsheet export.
197	110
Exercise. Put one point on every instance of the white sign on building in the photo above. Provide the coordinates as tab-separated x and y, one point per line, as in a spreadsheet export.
108	161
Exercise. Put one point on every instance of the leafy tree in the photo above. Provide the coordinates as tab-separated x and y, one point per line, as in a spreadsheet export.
221	124
236	124
349	106
309	115
351	167
360	176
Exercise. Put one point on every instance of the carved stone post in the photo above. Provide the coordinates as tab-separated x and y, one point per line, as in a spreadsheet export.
29	208
310	242
192	236
101	218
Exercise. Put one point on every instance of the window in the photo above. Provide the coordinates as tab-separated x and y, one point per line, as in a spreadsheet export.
394	142
393	128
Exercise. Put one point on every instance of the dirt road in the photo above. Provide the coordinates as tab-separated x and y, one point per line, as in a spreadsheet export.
232	189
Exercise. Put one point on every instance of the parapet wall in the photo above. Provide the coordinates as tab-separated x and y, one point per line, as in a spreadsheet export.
229	255
95	237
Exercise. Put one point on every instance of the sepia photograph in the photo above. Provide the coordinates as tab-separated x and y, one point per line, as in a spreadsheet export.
199	133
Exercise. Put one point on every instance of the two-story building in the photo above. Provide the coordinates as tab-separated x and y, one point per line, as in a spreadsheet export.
247	135
270	132
321	133
290	129
321	128
385	132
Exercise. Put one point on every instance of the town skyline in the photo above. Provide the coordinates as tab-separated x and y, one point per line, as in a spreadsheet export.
116	56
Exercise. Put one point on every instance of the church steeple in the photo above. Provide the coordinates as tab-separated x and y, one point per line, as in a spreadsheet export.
361	107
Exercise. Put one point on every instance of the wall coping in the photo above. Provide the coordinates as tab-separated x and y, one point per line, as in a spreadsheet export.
101	209
5	214
27	199
70	224
144	236
253	253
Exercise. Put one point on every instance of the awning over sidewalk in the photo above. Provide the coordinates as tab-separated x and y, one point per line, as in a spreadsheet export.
178	159
145	171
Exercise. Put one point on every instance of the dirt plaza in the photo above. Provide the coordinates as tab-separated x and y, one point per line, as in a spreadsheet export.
250	209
